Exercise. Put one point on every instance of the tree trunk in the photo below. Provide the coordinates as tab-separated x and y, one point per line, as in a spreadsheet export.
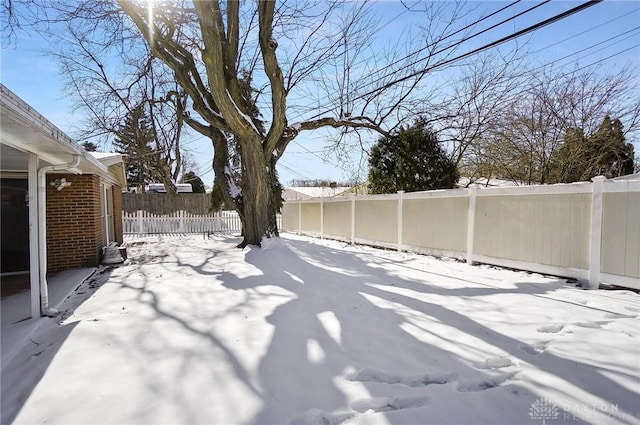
258	219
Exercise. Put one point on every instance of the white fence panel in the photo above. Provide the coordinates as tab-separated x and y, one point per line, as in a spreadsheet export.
142	223
586	230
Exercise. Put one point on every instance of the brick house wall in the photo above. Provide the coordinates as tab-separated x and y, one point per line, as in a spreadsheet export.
74	227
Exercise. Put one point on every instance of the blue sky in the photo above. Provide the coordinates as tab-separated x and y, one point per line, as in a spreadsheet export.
33	76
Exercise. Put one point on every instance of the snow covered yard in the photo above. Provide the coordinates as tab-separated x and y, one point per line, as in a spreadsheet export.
192	331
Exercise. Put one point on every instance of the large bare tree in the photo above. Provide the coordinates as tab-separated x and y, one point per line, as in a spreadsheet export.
257	74
291	52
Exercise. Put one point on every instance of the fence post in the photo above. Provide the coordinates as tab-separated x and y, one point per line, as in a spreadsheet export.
353	219
322	217
299	217
400	192
596	232
140	222
471	223
181	221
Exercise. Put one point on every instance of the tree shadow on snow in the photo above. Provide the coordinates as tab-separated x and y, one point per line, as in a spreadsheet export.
340	319
344	324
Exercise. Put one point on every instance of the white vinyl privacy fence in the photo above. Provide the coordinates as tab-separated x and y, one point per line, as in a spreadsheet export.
588	231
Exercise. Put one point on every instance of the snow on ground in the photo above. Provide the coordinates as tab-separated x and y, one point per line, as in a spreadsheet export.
193	331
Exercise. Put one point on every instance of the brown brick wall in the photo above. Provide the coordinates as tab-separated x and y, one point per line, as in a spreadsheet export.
74	230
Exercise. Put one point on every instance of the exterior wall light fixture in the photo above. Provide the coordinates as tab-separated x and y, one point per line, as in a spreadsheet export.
60	183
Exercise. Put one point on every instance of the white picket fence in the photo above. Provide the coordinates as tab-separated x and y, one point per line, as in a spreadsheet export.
143	222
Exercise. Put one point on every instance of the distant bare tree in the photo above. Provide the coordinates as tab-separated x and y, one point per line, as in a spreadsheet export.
98	83
534	122
17	15
469	105
317	183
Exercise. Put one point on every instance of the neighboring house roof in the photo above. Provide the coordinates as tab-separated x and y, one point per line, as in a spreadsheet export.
482	182
25	130
159	188
635	176
297	193
359	189
107	158
114	162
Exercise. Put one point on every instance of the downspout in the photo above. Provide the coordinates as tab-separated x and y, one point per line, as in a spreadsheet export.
45	310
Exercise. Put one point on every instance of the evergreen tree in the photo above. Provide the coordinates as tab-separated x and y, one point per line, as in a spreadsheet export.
412	160
135	143
217	202
89	146
612	156
604	153
196	182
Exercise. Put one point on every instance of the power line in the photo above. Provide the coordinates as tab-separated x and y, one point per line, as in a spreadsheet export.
451	46
533	71
474	35
584	32
473	52
591	47
459	42
597	44
323	159
604	59
377	71
291	170
487	46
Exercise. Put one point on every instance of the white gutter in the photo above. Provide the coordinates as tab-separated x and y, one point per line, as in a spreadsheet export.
45	310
